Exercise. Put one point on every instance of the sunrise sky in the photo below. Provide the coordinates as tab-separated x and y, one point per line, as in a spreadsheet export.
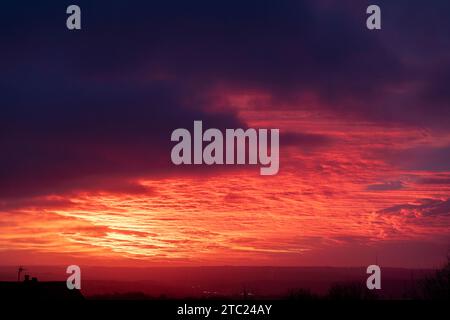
86	118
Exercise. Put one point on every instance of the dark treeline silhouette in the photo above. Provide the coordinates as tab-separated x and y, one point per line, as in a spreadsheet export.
432	287
337	292
436	287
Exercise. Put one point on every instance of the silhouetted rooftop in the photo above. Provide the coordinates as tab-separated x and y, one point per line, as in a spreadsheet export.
35	290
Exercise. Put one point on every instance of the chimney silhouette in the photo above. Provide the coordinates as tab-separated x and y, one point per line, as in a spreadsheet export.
19	272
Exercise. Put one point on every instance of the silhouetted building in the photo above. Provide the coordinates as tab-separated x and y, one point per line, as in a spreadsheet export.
33	290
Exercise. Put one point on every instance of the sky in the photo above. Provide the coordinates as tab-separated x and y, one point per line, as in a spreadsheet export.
86	118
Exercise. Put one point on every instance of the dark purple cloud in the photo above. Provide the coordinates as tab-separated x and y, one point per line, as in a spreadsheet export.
386	186
426	208
440	179
424	158
78	108
59	140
